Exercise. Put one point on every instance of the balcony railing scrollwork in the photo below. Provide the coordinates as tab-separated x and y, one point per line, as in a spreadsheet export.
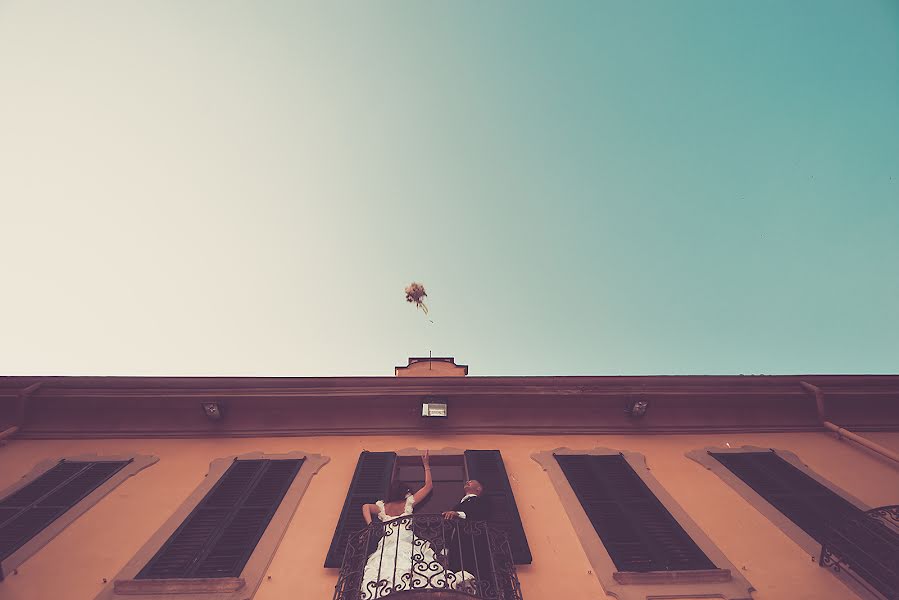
426	553
867	548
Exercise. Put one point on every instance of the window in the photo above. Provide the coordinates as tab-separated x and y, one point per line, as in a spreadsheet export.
638	539
809	510
447	473
224	536
799	497
636	529
52	496
220	534
782	488
449	469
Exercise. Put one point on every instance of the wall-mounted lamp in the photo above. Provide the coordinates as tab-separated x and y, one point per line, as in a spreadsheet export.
637	408
212	410
433	409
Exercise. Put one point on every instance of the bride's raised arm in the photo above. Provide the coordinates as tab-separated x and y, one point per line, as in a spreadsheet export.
428	486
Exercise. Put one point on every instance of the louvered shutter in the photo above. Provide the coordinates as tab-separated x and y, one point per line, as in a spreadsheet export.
24	513
218	537
487	467
799	497
637	531
370	483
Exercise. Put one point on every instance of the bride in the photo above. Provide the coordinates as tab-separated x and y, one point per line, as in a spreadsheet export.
390	567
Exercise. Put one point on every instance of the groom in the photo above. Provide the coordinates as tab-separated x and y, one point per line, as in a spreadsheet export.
469	552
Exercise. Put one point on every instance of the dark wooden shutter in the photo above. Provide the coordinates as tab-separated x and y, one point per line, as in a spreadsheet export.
218	537
370	483
24	513
799	497
487	467
636	529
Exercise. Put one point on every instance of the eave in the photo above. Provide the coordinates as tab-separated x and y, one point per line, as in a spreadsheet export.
87	407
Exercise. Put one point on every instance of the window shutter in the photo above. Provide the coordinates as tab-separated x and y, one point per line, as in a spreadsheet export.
218	537
799	497
636	529
24	513
487	467
370	483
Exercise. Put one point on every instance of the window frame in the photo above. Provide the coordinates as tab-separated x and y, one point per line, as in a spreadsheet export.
136	463
726	581
758	502
409	457
417	452
220	588
772	514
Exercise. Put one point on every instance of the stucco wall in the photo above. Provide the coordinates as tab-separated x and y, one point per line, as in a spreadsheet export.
73	565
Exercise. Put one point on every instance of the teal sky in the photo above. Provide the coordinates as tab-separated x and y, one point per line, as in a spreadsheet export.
584	188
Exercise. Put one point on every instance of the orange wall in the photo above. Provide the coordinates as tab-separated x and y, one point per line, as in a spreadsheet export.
98	544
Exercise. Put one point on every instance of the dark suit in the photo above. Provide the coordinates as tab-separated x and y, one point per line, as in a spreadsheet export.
469	549
475	508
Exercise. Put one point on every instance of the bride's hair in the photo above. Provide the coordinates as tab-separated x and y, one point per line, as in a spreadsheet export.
397	491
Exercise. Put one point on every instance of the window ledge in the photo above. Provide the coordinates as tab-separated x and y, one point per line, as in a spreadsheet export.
662	577
178	586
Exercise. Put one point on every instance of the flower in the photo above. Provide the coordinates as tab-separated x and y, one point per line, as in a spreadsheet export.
415	292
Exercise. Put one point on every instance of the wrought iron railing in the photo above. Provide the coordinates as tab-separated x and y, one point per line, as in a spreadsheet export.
427	553
867	548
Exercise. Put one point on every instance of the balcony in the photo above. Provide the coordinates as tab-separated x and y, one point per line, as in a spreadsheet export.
425	557
867	548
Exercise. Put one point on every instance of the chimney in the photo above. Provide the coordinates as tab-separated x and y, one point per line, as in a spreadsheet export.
432	367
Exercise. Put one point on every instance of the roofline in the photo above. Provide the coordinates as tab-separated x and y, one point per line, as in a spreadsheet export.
68	407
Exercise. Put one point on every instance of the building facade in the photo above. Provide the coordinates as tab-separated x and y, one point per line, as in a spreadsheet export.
627	487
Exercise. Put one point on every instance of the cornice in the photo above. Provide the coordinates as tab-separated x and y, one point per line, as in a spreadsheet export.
549	430
254	407
656	385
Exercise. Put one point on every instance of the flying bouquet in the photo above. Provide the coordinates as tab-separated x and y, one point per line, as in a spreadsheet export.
415	292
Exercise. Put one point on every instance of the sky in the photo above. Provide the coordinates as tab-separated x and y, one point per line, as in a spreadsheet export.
584	188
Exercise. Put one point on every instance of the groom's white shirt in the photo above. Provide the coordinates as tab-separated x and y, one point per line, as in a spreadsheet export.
464	498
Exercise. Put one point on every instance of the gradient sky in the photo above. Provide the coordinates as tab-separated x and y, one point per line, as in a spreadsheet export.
584	188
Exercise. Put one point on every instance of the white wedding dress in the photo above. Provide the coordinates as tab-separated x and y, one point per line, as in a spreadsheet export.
390	567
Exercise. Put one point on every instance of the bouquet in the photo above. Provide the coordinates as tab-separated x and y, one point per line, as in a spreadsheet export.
415	292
